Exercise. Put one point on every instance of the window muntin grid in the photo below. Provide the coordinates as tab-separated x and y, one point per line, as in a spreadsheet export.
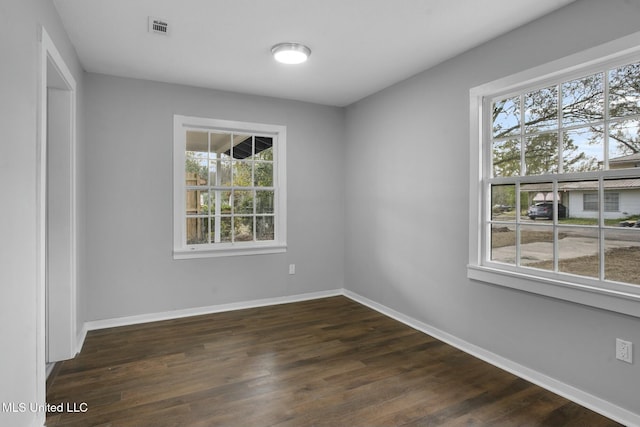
548	144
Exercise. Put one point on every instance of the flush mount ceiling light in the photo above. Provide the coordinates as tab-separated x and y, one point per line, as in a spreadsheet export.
290	53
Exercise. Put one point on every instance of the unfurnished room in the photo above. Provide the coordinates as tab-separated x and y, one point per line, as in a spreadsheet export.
320	213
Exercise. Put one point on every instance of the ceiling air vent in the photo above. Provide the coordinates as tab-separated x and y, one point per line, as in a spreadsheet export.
158	26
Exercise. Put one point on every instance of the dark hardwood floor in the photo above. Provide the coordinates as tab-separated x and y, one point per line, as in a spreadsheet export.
327	362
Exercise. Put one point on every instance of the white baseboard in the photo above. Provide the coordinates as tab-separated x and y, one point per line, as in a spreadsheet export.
49	368
80	338
587	400
197	311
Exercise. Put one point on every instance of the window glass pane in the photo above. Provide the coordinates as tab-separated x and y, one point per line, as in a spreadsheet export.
220	145
541	154
242	202
197	202
264	202
621	199
541	110
583	100
624	144
263	148
536	247
526	200
578	251
583	149
212	229
195	170
611	201
225	229
242	146
536	201
224	171
622	252
624	90
590	202
265	228
503	202
506	157
197	146
242	174
242	228
197	230
263	174
207	202
503	243
571	198
225	202
506	117
213	173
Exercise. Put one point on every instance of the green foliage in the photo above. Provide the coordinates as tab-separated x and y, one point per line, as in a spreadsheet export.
582	102
193	164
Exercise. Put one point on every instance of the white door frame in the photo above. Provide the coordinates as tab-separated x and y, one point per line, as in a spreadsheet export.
56	78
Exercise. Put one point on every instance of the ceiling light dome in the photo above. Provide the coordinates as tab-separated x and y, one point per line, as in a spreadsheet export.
290	53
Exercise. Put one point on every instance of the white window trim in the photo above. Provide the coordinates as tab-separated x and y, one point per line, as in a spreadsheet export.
183	251
622	299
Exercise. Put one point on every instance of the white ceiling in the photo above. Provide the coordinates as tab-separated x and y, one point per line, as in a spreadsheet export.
358	46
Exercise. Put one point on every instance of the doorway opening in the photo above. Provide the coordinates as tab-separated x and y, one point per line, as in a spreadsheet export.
56	235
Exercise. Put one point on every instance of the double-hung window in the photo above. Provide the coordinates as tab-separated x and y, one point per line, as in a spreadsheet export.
229	188
555	185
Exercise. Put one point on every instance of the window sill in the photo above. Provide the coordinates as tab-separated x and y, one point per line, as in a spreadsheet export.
193	252
612	300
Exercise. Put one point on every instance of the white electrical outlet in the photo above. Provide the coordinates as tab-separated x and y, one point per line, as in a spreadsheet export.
292	269
624	350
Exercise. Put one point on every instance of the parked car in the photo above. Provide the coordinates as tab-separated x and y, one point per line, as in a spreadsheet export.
545	210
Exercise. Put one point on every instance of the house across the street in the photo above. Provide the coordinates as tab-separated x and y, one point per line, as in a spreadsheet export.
621	196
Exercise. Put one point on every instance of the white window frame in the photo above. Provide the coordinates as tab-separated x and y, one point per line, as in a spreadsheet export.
617	297
181	250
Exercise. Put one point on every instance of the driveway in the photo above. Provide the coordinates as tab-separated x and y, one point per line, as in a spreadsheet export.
569	247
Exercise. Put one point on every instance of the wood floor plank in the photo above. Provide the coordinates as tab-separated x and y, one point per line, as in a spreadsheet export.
326	362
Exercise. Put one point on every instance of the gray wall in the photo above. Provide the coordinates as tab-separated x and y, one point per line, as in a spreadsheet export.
407	198
129	179
19	23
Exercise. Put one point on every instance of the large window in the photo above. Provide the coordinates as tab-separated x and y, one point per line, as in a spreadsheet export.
558	205
229	188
